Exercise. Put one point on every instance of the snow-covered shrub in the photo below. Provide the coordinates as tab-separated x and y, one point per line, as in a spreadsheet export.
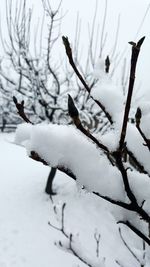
113	168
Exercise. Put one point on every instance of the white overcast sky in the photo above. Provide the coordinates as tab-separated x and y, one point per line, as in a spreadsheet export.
131	12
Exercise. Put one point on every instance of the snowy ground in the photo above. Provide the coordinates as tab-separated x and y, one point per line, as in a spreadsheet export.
26	238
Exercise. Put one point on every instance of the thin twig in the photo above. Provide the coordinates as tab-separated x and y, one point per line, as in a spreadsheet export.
71	61
97	238
136	231
20	108
68	236
127	246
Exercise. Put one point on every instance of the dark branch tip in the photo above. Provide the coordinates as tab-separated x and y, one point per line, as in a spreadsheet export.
132	43
140	42
107	64
107	60
73	112
138	116
15	100
64	205
22	103
67	46
60	244
65	41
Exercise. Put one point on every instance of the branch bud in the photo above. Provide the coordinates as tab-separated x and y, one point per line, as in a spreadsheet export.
107	64
67	46
138	116
73	112
140	42
15	100
132	43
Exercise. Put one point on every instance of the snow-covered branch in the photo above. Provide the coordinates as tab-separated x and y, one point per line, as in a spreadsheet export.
108	166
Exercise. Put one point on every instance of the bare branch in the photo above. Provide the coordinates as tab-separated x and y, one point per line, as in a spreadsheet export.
20	108
69	54
134	58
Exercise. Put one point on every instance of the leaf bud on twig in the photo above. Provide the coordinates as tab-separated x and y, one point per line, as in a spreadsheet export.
138	116
107	64
67	46
73	112
15	100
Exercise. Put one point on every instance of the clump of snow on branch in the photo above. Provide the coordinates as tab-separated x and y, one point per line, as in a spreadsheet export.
23	133
107	92
61	145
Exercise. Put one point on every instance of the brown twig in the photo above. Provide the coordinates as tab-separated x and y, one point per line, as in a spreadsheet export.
134	58
71	61
20	108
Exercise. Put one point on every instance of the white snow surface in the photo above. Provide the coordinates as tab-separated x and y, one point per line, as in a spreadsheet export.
25	237
27	240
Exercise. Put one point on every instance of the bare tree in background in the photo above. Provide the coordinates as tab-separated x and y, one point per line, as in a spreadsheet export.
30	72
